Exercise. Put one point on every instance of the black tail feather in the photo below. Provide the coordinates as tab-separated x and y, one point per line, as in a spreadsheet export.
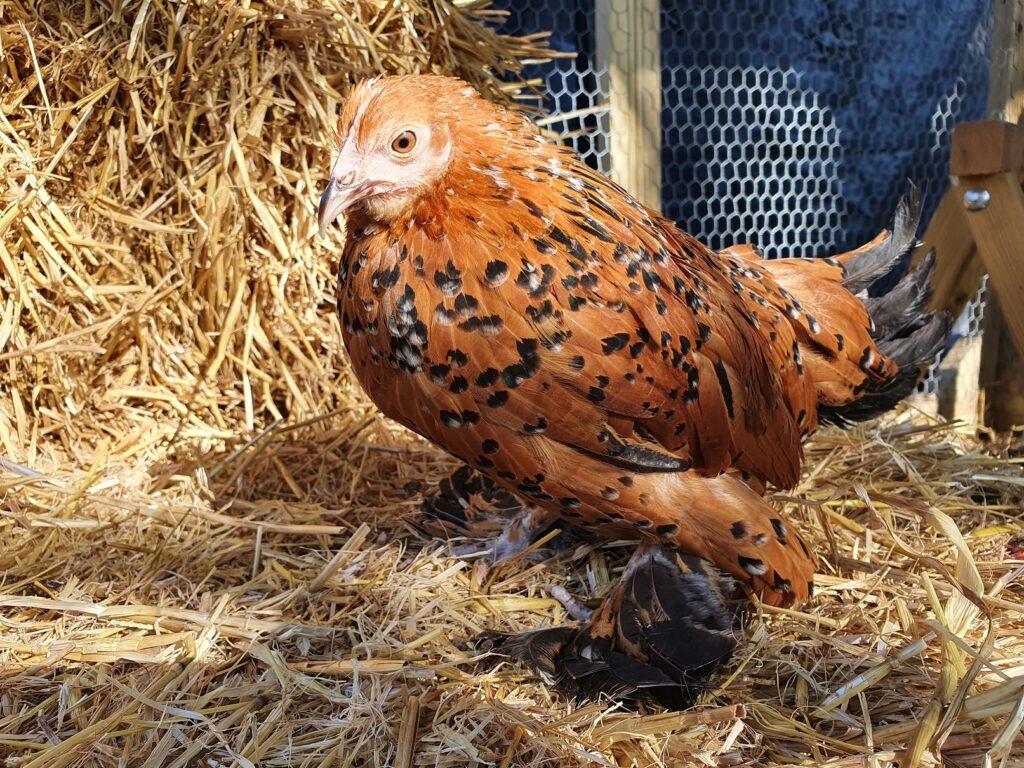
901	328
904	303
919	342
873	264
911	352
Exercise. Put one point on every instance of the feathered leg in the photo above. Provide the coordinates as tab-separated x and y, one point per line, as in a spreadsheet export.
485	518
656	637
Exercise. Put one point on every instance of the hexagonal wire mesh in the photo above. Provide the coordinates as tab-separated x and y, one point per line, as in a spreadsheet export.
574	88
792	124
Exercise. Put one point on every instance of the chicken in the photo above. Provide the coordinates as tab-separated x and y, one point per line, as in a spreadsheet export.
530	317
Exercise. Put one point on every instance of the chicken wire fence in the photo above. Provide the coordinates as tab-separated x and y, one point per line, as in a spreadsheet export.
792	124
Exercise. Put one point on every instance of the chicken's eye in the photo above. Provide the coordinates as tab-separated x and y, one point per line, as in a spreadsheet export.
404	142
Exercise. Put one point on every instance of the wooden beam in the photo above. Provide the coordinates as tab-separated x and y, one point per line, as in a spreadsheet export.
1002	358
1006	69
628	47
958	270
1001	371
987	146
958	273
998	229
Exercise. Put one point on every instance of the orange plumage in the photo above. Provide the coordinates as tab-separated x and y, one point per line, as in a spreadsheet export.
529	316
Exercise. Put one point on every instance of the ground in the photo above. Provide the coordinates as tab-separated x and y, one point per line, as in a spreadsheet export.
273	606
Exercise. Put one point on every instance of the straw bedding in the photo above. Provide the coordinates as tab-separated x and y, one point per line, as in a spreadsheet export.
205	549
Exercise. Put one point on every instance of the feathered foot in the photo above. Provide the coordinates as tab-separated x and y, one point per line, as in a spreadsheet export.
656	638
485	519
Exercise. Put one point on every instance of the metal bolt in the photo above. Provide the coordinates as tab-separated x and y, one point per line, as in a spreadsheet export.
977	199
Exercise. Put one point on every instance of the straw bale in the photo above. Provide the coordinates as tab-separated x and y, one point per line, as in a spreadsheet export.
205	549
161	167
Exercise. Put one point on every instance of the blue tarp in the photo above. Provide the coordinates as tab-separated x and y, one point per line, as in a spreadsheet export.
773	108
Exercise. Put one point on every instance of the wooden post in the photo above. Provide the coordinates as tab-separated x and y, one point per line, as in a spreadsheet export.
998	229
1002	362
628	50
979	229
1006	71
1002	371
958	269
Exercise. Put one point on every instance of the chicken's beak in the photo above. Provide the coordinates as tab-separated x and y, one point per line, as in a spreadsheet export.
333	202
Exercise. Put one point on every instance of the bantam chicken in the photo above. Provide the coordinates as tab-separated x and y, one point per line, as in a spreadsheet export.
530	317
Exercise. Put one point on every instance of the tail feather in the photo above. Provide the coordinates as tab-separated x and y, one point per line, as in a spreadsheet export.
866	266
916	350
921	341
901	306
904	333
872	332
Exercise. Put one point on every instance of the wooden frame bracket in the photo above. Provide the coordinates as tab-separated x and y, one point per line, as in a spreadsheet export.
978	229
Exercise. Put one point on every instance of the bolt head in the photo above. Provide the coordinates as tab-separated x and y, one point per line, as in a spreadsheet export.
976	199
